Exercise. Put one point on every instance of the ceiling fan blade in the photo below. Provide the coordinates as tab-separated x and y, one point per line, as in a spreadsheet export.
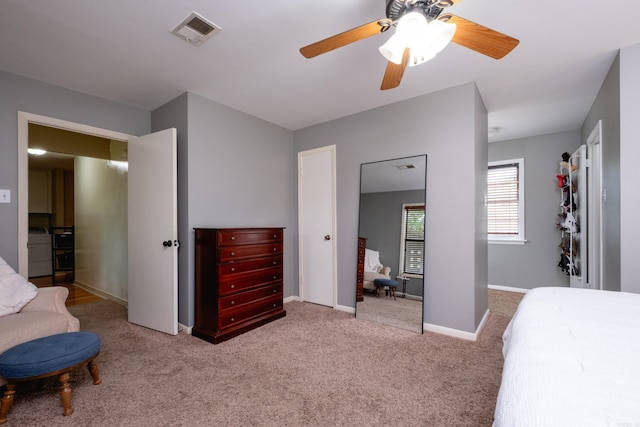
480	38
394	72
345	38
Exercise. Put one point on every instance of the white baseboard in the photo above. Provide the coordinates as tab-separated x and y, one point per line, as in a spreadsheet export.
101	294
456	333
508	289
346	309
291	298
185	329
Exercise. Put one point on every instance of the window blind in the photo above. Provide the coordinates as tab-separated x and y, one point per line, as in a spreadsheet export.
503	199
414	240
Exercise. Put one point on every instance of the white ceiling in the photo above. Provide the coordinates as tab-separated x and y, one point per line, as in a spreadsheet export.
123	51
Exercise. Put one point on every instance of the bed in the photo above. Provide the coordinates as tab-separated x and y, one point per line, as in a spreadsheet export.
571	358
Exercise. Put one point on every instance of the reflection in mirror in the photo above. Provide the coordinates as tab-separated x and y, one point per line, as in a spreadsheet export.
390	270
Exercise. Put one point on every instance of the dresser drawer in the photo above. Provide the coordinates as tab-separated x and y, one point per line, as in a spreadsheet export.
238	300
250	236
233	283
230	318
233	253
244	266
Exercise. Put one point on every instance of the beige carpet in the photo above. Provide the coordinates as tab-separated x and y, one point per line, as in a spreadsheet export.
315	367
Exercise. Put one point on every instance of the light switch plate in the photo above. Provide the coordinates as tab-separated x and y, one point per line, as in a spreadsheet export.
5	196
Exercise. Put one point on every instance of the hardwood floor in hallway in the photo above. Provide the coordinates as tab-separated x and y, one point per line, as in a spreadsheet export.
77	295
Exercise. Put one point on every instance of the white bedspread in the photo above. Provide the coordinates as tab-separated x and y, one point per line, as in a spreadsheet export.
572	358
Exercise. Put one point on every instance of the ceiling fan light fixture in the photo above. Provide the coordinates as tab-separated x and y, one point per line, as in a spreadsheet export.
424	39
420	53
393	49
410	31
439	34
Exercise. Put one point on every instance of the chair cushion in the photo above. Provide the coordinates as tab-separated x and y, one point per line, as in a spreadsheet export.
48	354
385	282
22	327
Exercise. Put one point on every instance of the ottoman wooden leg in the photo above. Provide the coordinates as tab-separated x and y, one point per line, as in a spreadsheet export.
93	370
65	394
7	401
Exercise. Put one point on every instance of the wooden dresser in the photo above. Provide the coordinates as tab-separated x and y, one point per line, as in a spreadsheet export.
362	245
238	280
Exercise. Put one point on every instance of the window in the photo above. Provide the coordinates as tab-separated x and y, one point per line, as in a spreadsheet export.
412	245
505	201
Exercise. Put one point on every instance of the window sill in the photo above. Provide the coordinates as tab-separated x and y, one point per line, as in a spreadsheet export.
507	242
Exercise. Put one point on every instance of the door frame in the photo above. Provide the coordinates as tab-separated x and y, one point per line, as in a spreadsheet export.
334	228
24	119
594	208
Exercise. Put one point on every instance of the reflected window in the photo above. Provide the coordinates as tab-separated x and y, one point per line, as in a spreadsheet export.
412	250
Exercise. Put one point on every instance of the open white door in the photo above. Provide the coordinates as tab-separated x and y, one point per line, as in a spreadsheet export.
153	231
316	225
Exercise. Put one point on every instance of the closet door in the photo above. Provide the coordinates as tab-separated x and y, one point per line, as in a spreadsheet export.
316	219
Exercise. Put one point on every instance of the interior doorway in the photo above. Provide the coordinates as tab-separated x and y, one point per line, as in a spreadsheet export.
154	159
94	256
24	119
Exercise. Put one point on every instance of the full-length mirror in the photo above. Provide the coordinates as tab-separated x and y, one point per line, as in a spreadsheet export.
390	284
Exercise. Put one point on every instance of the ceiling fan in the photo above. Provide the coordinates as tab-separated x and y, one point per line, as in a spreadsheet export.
422	30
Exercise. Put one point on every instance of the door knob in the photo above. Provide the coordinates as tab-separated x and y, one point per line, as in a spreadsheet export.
167	243
327	237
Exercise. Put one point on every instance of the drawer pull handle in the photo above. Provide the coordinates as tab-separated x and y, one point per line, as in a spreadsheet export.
232	253
232	286
233	238
233	302
275	305
275	290
275	235
275	276
233	269
275	249
233	319
275	262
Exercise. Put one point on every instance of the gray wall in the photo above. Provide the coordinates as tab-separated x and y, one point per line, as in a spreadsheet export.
479	194
629	177
534	264
381	224
450	127
31	96
238	171
606	107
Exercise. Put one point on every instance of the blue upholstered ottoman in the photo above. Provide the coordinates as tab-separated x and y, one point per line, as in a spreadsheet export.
386	283
46	357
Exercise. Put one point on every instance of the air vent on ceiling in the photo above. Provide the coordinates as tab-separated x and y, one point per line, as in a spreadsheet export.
196	29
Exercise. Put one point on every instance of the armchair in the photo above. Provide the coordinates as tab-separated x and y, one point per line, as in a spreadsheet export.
370	276
46	314
373	269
